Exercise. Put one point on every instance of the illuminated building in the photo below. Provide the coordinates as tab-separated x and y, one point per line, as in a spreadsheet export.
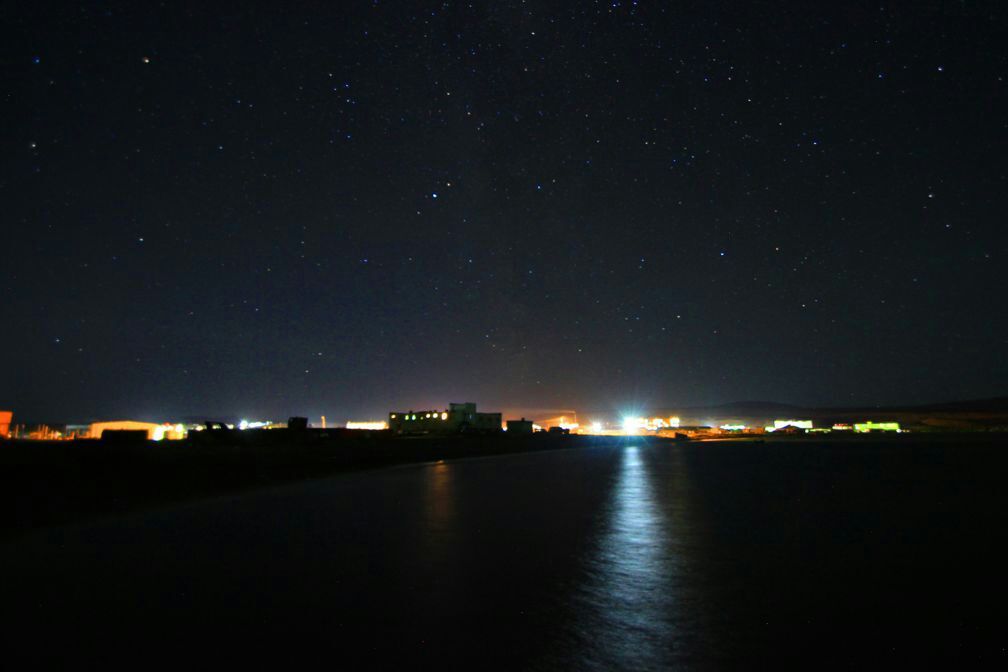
865	427
155	431
784	424
459	418
169	432
5	421
76	431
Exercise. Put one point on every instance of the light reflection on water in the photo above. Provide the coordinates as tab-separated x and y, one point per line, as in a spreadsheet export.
438	519
625	608
439	499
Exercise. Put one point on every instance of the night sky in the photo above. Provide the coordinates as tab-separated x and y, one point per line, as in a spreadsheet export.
348	207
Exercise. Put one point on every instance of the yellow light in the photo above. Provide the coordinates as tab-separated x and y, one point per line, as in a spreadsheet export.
392	416
444	416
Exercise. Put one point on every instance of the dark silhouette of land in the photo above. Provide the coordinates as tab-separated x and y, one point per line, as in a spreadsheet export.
47	483
55	482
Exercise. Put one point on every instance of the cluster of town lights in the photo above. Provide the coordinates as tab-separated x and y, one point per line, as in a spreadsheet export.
629	424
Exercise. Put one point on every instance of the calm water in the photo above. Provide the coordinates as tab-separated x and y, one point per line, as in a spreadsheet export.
707	556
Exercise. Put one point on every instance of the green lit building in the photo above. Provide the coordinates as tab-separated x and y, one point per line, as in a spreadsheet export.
876	427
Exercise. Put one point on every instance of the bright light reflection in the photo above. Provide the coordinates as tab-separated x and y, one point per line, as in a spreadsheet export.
628	606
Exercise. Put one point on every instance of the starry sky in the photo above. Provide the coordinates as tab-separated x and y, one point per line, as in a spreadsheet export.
342	208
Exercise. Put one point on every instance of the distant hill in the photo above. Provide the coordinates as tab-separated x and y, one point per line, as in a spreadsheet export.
992	405
757	406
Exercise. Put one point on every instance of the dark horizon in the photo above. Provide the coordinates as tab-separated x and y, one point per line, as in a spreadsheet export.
339	210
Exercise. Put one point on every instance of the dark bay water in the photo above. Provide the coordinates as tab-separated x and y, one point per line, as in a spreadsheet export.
638	557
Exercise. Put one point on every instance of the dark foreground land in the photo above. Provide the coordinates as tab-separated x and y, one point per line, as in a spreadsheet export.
58	482
868	554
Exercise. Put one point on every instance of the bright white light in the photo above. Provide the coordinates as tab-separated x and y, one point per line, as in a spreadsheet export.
632	425
596	427
243	424
800	424
366	424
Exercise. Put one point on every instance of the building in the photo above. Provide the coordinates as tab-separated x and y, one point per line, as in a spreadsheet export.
155	432
77	432
457	419
689	431
779	425
869	426
5	422
522	426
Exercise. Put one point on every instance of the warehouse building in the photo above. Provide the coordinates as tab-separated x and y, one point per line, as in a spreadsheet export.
155	431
